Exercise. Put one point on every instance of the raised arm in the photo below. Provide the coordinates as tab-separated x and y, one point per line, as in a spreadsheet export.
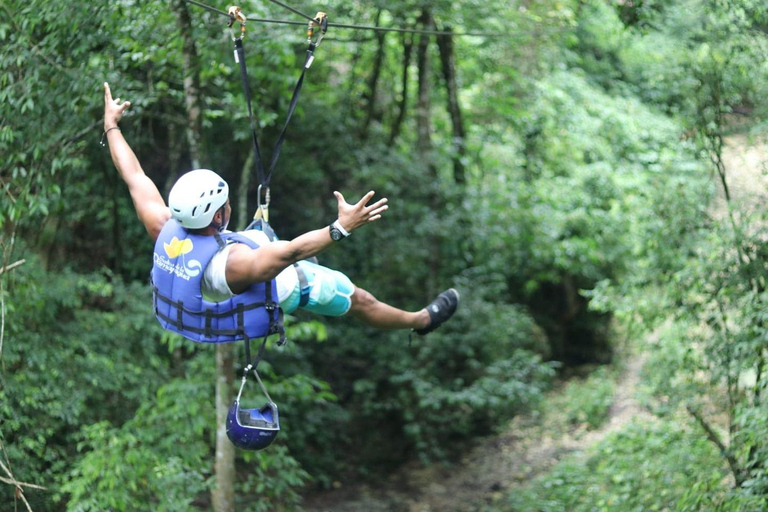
246	266
147	200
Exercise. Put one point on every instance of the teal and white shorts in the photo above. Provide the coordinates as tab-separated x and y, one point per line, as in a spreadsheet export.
323	291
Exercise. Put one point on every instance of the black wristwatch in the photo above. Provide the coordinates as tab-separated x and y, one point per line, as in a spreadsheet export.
337	232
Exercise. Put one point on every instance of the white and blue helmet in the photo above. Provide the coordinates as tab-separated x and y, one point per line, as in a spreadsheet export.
196	196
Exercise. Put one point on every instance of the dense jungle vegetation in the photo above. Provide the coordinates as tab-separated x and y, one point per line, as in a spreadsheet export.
556	161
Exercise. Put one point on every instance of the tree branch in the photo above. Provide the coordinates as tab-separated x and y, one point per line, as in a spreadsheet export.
715	438
18	485
21	484
12	266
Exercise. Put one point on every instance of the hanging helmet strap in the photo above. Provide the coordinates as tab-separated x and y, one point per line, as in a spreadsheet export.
252	368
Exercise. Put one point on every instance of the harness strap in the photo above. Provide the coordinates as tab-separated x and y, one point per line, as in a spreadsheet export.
291	109
180	315
266	177
180	306
253	364
262	224
240	59
276	317
304	288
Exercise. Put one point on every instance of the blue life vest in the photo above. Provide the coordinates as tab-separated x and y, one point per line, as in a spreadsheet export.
180	259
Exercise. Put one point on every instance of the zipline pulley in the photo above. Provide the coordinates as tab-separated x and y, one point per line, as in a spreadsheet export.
235	13
321	21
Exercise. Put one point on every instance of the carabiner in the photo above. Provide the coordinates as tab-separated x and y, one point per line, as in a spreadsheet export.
235	13
262	208
321	20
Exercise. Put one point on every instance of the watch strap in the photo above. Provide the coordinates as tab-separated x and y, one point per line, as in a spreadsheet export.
336	224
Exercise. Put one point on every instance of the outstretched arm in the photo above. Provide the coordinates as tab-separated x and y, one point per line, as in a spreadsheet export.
147	201
246	266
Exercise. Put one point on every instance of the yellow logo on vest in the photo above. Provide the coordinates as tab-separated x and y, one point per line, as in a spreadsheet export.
178	247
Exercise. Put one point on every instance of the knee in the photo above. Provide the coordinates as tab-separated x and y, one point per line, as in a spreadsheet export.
361	300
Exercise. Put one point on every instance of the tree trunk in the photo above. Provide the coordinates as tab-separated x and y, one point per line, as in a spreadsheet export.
353	102
175	150
223	493
423	124
242	192
403	104
191	66
373	82
424	146
448	62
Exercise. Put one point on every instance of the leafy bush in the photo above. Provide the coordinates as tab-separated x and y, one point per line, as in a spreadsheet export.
79	350
160	458
108	420
450	386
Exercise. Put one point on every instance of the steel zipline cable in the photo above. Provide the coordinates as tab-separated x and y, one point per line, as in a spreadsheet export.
348	26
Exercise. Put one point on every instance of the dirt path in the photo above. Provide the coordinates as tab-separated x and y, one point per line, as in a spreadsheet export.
486	473
746	172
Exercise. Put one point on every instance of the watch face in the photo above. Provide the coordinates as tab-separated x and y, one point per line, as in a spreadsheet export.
336	234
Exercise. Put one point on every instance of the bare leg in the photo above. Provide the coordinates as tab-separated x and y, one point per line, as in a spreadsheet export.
375	313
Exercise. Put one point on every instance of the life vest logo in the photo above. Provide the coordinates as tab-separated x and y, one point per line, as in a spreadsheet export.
183	269
177	247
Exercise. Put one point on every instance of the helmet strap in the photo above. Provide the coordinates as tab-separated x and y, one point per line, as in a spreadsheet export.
221	226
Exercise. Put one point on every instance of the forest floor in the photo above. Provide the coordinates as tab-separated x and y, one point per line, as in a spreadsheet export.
746	163
531	445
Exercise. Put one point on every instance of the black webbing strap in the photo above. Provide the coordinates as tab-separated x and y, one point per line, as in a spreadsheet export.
240	59
266	177
291	109
259	354
180	306
304	288
275	315
263	226
275	321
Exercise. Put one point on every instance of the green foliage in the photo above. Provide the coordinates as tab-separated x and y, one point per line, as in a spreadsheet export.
78	349
444	389
272	481
707	279
712	352
159	457
586	198
598	183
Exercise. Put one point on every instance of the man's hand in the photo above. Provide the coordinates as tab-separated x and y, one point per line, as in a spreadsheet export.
113	109
352	216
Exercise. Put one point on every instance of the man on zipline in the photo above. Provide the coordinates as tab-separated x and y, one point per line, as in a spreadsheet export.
199	210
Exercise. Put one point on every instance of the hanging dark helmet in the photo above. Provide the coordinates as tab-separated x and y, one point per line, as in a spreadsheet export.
252	429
